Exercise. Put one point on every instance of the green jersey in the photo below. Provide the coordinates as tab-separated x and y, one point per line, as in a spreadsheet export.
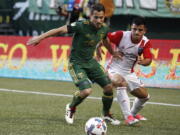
86	37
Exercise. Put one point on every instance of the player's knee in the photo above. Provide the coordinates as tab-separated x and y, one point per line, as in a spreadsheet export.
86	92
108	88
83	85
124	83
119	83
145	97
141	93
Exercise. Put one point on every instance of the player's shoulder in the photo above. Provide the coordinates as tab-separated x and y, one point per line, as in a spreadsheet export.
126	33
76	23
104	25
85	22
81	22
118	32
145	39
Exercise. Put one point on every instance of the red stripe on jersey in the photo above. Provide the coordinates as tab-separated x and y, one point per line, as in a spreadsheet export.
142	43
115	37
132	69
147	51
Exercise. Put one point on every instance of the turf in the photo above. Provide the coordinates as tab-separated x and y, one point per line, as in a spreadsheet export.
32	114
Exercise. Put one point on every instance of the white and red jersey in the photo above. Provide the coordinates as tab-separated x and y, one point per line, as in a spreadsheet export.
130	50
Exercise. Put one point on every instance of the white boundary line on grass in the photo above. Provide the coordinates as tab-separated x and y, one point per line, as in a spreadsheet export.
66	95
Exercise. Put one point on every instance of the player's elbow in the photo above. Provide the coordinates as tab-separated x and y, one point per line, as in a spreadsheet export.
147	62
62	30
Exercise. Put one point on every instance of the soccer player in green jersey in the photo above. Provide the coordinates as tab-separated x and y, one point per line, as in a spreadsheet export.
82	65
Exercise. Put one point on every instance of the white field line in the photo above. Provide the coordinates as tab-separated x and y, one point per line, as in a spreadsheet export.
66	95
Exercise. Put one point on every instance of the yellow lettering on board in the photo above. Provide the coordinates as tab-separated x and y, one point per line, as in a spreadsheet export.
174	64
174	61
63	59
23	57
155	53
3	57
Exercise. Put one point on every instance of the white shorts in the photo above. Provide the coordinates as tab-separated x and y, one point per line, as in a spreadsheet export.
133	81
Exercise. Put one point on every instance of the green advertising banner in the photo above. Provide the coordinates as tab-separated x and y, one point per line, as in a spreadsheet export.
33	17
43	6
25	22
148	8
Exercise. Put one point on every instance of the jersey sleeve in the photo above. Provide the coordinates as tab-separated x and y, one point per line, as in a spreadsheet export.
115	37
74	27
147	50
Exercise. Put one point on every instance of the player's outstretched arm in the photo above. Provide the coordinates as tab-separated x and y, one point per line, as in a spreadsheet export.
108	46
53	32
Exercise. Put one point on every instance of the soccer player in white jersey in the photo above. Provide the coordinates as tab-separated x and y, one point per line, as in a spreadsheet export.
135	49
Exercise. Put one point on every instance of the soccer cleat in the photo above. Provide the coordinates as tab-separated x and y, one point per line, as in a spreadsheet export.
109	118
140	117
131	120
69	116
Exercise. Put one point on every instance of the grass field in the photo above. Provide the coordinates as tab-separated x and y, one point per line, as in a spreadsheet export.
24	112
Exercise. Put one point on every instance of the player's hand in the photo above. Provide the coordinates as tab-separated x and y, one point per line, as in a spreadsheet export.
98	55
33	41
99	52
118	55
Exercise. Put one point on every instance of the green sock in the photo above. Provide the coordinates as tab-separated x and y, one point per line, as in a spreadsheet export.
107	100
76	100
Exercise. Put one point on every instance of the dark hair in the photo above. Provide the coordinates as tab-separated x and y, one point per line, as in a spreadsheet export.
98	7
139	21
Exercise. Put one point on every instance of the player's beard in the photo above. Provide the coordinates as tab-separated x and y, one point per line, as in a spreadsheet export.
137	37
98	25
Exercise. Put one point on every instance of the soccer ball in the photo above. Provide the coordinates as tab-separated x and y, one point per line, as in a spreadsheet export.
95	126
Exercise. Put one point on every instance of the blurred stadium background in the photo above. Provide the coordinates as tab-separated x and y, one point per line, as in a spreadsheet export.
34	81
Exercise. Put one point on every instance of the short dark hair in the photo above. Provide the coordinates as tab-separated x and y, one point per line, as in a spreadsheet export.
97	7
139	21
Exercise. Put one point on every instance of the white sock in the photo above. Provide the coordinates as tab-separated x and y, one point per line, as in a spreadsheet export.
123	100
138	104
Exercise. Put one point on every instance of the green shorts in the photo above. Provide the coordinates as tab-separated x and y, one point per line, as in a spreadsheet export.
84	72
